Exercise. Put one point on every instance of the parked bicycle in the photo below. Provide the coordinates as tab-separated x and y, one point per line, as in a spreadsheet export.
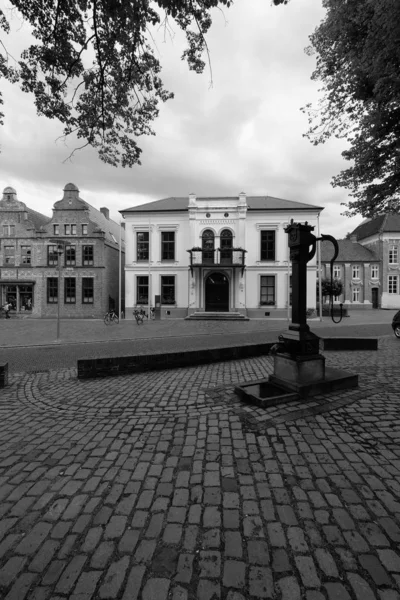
111	317
139	315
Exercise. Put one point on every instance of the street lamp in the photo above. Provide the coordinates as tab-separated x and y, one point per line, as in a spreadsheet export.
60	249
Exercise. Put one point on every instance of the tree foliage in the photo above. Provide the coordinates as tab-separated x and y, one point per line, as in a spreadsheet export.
330	288
93	66
358	62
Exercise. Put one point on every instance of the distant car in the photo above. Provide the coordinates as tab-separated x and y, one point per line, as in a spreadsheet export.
396	324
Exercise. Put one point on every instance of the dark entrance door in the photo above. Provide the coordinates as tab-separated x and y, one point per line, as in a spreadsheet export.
375	301
217	293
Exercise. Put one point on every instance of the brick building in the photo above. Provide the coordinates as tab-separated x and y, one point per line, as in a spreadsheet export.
358	268
87	280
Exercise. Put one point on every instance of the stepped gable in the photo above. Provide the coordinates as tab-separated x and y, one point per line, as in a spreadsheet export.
10	203
71	199
253	203
348	252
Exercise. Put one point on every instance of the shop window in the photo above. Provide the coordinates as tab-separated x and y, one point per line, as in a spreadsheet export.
52	290
167	289
69	290
142	245
393	284
87	290
56	229
26	252
70	256
87	256
9	255
267	290
167	245
142	291
267	245
52	256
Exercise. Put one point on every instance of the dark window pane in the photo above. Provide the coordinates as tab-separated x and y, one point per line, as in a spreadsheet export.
70	290
267	245
168	289
87	255
87	290
142	239
142	291
52	256
267	292
167	245
70	256
52	290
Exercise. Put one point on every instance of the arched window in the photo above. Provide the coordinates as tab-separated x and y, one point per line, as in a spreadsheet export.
226	246
208	246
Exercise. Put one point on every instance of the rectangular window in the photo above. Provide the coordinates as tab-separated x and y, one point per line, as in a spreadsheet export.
356	271
267	245
290	290
84	229
87	290
67	229
56	229
8	230
87	255
267	292
393	257
374	271
52	290
9	255
73	229
356	294
26	252
167	289
52	256
393	284
142	241
142	291
167	245
69	290
336	272
70	256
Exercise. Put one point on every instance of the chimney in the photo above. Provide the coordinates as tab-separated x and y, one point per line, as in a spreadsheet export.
105	212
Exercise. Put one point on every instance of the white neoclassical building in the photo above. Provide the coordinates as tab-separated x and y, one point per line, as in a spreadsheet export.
213	254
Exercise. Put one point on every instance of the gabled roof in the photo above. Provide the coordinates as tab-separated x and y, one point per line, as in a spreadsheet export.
37	218
382	223
175	203
348	252
111	228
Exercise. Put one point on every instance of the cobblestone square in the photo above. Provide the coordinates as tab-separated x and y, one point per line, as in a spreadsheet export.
164	485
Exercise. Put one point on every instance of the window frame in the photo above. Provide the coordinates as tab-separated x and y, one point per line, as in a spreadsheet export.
142	285
266	286
27	254
85	280
67	229
393	253
68	262
52	263
337	269
85	261
56	229
7	260
143	243
267	253
393	279
52	283
355	293
73	229
84	229
164	285
374	268
9	230
354	269
67	283
166	246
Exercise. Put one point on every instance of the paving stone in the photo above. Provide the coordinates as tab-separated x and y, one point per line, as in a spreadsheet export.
208	590
390	560
372	565
114	578
326	562
234	574
336	591
308	573
156	589
289	588
361	588
71	574
261	582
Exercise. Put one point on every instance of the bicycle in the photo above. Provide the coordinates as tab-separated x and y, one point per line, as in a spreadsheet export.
111	317
139	316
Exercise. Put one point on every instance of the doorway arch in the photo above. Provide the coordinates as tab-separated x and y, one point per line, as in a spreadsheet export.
217	292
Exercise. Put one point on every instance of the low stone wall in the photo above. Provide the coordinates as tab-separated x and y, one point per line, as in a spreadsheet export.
123	365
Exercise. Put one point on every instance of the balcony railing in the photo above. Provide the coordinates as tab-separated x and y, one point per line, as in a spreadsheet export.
229	257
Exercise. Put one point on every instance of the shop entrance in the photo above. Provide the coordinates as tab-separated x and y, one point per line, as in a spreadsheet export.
375	297
217	293
18	295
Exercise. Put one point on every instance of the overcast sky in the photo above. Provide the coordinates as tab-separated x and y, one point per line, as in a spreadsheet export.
242	134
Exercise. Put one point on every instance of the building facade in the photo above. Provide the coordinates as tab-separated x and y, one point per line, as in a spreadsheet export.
212	254
381	235
359	270
71	258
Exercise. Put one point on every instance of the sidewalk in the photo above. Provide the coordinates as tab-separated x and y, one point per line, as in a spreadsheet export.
31	332
164	486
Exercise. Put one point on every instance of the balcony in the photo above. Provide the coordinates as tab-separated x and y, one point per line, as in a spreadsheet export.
227	257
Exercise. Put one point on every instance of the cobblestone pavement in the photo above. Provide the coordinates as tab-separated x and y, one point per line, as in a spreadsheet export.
165	486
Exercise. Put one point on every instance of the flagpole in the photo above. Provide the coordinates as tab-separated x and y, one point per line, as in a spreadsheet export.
149	288
119	271
319	269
